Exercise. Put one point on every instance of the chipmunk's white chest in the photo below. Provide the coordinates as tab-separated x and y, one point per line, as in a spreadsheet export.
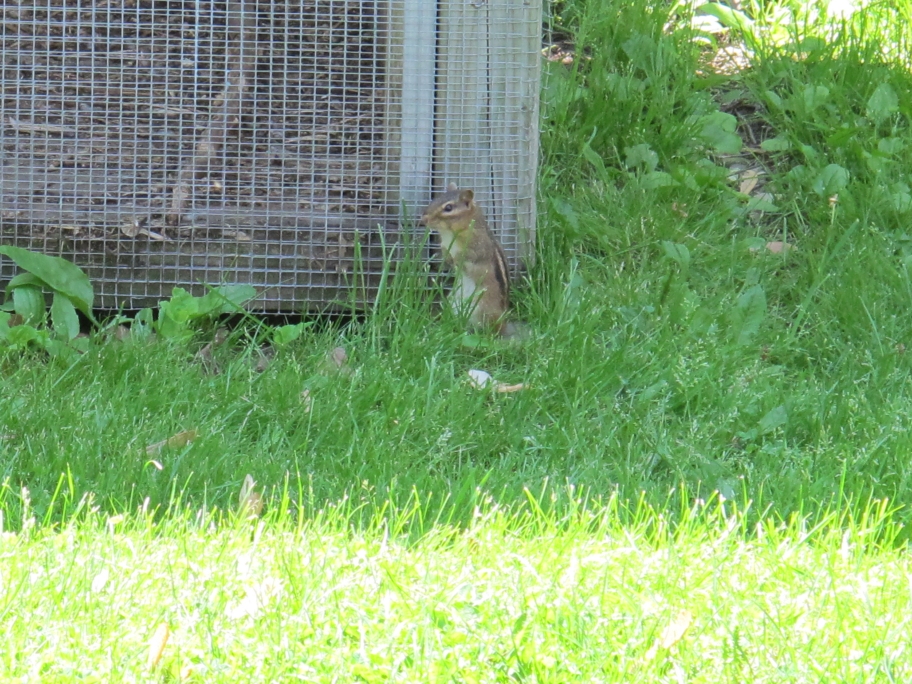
464	288
464	295
450	245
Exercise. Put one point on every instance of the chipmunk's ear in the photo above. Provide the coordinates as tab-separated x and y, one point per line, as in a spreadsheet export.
452	187
466	196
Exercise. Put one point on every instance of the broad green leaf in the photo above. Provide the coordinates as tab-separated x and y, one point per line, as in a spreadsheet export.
749	314
19	336
174	313
80	344
60	350
28	302
831	180
730	18
814	96
772	420
702	321
566	210
642	51
595	160
900	197
678	253
4	324
286	334
59	274
657	179
226	299
26	279
718	132
641	155
891	145
777	144
773	99
64	317
182	306
760	204
883	102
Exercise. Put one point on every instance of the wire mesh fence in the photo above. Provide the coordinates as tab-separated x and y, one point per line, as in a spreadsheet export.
162	143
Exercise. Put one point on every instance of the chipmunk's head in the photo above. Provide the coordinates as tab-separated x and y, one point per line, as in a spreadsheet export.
454	211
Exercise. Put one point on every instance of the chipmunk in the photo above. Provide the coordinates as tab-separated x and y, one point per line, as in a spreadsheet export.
469	246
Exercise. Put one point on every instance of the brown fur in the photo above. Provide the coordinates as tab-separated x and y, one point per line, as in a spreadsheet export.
470	247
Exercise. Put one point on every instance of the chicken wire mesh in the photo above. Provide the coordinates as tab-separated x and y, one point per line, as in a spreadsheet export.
161	143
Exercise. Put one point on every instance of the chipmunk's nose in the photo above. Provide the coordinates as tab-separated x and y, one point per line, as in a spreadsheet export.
423	220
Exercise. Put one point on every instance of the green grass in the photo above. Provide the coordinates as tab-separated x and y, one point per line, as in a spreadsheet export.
672	356
514	595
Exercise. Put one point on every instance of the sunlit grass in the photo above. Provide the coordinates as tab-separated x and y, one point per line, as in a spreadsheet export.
515	594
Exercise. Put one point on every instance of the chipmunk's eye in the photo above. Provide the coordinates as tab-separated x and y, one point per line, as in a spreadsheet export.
448	207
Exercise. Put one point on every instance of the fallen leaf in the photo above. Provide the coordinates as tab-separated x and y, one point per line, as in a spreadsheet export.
779	247
238	235
505	389
131	228
250	503
157	645
749	180
336	361
775	247
339	356
181	439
